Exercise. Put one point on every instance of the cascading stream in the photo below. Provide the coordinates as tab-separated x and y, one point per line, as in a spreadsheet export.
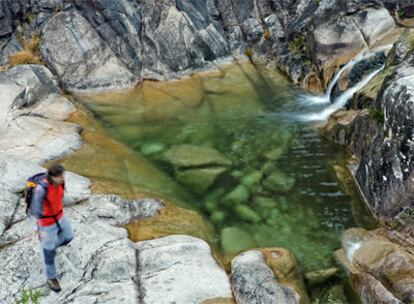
340	101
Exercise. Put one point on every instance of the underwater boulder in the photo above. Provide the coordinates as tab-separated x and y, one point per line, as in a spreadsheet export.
319	277
218	217
187	156
199	180
252	179
279	182
239	195
151	148
235	239
246	213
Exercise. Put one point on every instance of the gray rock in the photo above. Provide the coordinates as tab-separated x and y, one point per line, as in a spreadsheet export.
80	58
179	269
254	282
14	171
179	38
115	210
100	264
8	46
38	139
77	188
345	37
30	112
8	204
385	172
97	267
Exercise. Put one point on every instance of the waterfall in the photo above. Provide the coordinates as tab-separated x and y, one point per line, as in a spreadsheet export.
326	97
341	100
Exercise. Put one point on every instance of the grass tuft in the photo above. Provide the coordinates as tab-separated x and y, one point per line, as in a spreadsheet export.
29	54
24	57
298	45
266	34
249	53
28	297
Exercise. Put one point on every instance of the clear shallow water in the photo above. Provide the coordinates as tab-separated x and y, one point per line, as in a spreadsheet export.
280	189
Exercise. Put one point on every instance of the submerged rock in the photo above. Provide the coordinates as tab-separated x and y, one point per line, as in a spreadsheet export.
246	213
253	179
152	148
239	195
235	239
199	180
254	282
187	156
179	269
279	182
320	276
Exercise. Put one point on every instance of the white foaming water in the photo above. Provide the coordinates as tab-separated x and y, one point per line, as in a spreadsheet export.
351	249
341	100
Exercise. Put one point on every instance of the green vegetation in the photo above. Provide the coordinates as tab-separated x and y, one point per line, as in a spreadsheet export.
29	296
249	53
298	45
377	115
411	42
401	13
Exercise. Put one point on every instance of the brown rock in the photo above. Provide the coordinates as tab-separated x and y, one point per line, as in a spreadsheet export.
371	291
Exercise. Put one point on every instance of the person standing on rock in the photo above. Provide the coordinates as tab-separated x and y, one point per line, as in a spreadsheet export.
54	228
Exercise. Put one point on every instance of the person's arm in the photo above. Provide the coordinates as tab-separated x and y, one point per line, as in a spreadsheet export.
36	205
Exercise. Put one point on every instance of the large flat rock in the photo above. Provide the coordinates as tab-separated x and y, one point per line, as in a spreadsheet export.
179	269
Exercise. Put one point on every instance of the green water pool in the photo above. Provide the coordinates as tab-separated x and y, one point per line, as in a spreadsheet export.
230	141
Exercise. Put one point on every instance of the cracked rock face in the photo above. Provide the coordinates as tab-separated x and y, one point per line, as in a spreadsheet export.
80	58
103	45
386	170
340	36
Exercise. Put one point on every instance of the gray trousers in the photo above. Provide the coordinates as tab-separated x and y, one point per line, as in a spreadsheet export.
51	237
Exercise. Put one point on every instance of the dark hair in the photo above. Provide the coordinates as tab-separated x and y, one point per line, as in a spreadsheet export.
55	170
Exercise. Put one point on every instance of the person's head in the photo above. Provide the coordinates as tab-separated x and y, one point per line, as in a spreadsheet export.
55	173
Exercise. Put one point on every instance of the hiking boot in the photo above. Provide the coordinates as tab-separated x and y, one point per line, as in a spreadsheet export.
54	285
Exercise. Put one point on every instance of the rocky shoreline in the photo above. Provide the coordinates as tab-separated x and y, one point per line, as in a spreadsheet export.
90	46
